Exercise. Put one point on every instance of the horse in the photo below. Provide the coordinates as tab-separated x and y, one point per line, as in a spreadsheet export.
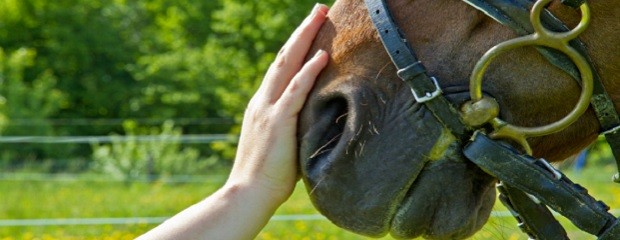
376	161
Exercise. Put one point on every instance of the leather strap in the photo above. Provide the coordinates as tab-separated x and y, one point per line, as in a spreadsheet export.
613	138
412	71
612	234
537	178
573	3
534	218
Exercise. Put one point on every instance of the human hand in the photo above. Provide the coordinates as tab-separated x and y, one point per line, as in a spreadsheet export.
267	153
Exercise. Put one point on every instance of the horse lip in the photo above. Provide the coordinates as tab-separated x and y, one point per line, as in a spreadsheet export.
427	209
401	200
401	207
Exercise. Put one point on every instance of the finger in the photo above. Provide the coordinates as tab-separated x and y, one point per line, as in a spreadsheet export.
297	91
291	56
297	46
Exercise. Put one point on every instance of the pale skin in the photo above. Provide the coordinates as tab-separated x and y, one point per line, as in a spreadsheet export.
265	169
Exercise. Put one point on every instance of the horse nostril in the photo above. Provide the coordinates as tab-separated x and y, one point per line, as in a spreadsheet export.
334	114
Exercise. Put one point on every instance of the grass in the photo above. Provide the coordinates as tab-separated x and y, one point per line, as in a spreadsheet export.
92	199
87	198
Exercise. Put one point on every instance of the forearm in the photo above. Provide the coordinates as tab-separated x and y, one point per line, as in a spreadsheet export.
233	212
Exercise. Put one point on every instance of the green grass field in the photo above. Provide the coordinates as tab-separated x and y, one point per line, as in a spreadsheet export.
84	197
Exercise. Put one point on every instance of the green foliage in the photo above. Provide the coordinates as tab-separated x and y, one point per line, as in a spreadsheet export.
32	99
599	154
158	157
156	59
84	48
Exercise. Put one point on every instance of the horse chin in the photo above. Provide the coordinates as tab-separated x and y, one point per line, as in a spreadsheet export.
448	200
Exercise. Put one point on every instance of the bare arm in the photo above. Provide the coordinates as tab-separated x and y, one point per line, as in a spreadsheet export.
264	172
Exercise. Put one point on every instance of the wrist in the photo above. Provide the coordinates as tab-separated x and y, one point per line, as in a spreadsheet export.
254	193
274	186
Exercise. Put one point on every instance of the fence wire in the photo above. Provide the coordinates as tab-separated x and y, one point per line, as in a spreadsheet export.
158	220
143	220
119	121
188	138
65	177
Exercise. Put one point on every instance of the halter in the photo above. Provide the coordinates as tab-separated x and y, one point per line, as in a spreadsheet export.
529	185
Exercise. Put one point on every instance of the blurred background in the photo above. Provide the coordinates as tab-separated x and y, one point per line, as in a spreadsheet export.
115	115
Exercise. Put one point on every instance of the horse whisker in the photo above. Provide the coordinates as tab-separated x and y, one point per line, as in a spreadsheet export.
382	100
348	146
320	150
362	148
317	185
359	131
374	128
341	116
381	70
371	128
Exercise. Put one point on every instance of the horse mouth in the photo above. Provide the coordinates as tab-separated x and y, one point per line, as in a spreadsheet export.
372	175
454	213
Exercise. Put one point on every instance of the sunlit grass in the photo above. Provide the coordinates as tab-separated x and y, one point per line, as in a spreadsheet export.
100	199
88	199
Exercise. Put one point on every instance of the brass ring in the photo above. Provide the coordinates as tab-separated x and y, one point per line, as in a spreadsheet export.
567	36
546	38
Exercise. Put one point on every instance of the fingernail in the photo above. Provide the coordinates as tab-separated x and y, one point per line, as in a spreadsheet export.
319	53
323	7
314	10
317	7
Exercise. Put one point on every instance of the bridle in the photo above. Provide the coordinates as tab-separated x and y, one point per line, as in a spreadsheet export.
529	186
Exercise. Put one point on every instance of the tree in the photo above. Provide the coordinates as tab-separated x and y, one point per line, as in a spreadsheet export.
157	59
27	102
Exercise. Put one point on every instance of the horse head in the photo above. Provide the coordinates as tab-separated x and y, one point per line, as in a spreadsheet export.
376	161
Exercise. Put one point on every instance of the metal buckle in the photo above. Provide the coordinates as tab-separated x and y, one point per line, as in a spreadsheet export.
428	95
550	168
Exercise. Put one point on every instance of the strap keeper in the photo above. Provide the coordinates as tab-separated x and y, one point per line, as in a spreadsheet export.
612	136
612	130
556	174
411	71
611	232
